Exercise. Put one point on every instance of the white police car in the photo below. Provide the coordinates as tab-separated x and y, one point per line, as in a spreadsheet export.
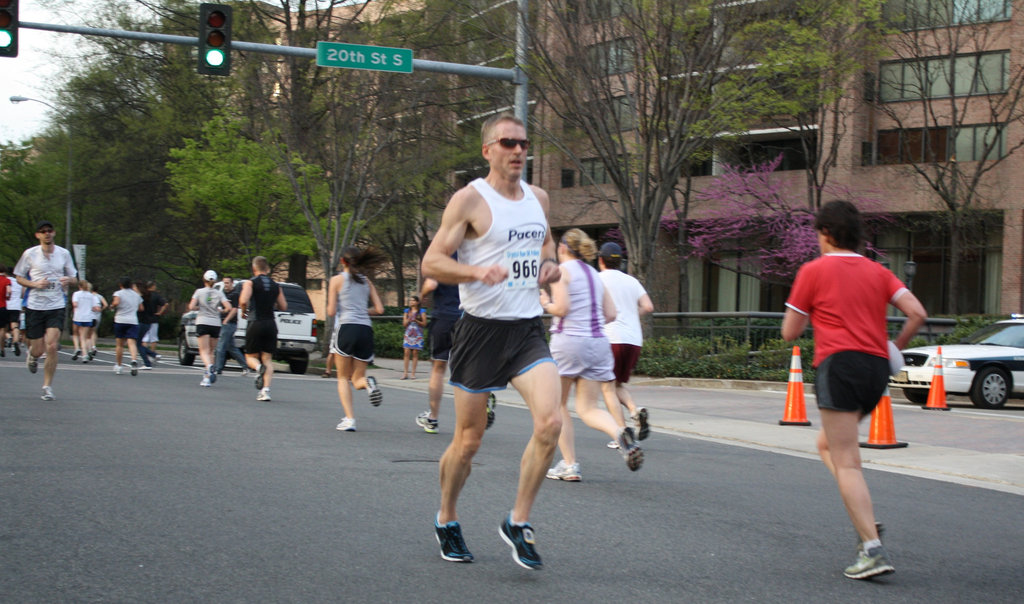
987	366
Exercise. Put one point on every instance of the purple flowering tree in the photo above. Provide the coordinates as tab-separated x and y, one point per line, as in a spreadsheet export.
760	226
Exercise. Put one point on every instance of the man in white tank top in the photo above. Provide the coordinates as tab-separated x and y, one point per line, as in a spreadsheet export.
499	227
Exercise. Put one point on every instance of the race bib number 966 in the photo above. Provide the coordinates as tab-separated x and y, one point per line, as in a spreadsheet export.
523	267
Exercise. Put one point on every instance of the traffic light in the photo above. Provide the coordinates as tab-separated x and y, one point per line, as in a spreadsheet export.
8	28
214	39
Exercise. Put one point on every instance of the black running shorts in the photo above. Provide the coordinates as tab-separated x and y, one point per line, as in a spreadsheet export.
261	336
207	330
439	332
355	341
851	381
38	321
487	353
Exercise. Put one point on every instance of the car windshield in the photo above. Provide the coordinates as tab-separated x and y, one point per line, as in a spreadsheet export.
999	334
298	301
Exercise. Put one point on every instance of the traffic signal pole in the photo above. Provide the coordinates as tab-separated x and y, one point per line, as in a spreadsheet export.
515	76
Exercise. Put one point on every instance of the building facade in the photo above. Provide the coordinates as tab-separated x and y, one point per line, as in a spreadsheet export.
931	129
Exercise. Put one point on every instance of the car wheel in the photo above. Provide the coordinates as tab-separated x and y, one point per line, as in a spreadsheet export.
298	366
184	356
991	388
918	397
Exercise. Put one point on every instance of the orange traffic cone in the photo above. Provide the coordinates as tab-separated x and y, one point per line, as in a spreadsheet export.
937	391
882	434
795	414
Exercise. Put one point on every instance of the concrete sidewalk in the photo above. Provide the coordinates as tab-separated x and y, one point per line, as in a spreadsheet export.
963	445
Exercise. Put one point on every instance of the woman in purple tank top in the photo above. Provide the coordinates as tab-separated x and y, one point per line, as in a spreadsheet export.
581	306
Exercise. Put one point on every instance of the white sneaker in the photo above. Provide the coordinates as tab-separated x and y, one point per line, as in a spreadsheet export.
264	395
134	368
205	383
569	472
117	369
47	394
348	424
613	444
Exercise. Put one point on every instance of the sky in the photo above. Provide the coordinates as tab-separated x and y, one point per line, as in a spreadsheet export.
34	73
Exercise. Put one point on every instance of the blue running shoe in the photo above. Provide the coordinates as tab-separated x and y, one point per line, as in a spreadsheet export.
449	537
520	538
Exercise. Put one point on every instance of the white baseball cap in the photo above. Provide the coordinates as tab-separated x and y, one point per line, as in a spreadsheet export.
210	275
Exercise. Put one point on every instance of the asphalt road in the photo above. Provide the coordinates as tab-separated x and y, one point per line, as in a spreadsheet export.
151	489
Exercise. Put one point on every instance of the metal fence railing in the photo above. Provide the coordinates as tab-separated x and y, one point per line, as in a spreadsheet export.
756	328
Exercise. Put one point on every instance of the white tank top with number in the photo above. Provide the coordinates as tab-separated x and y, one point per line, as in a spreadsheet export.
518	230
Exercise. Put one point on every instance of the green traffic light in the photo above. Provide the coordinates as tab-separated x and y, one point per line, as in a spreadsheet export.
214	57
5	38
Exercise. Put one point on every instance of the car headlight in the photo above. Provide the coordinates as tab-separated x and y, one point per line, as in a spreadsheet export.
952	364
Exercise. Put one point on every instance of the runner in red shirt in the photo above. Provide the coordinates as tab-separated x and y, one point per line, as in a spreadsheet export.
845	296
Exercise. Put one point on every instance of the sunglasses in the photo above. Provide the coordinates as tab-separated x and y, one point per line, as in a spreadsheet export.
511	143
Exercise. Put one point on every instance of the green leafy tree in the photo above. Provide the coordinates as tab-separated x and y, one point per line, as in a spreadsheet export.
227	188
32	181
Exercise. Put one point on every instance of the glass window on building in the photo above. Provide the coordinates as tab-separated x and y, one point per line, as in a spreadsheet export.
593	172
926	14
752	153
612	57
937	77
913	145
974	143
568	178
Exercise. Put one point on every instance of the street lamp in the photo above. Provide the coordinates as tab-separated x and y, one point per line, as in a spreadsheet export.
67	224
910	269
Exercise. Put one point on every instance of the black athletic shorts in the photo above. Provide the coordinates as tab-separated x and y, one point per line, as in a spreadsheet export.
851	381
355	341
261	336
439	332
38	321
208	330
487	353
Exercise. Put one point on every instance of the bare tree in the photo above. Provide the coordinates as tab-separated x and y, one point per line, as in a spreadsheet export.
953	101
636	91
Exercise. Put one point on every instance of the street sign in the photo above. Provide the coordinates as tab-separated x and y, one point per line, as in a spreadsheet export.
357	56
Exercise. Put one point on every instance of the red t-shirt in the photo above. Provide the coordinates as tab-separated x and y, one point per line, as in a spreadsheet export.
5	284
846	296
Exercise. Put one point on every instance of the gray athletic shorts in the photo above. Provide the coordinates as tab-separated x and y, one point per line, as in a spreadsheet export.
487	353
583	357
851	381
